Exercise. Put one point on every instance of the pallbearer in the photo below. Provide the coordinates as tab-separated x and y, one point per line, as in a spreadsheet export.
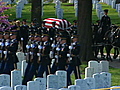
73	61
31	54
61	54
1	52
10	49
44	61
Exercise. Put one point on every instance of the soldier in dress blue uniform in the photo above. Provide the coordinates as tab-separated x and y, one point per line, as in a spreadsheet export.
43	29
32	66
44	61
10	49
61	54
53	51
74	28
33	28
2	63
52	31
24	31
73	60
105	24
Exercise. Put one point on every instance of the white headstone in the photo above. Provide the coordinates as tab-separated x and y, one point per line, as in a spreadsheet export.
89	71
115	88
60	13
63	89
4	80
51	89
20	56
42	84
93	64
90	82
33	85
82	83
23	68
105	66
113	4
18	14
71	1
52	81
20	87
106	79
16	78
98	80
62	78
74	87
6	88
99	67
101	15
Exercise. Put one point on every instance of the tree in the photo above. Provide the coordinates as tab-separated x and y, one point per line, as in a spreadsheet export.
36	10
84	28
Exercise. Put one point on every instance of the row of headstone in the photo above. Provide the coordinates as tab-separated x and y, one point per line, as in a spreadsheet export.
59	10
95	67
19	6
76	7
57	81
98	8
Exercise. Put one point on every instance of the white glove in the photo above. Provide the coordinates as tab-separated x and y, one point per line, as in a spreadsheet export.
40	47
51	38
27	46
57	49
31	53
53	46
1	44
68	55
38	54
56	56
5	52
32	46
6	43
70	47
22	39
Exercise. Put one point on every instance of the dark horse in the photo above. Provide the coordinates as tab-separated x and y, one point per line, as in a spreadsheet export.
108	41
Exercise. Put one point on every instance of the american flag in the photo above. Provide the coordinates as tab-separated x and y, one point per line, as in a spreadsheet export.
61	24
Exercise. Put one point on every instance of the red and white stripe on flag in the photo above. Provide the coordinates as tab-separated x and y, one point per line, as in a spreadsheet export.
60	23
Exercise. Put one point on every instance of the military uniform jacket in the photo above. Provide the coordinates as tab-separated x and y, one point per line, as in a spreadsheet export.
62	54
52	31
24	31
33	29
45	59
11	50
74	53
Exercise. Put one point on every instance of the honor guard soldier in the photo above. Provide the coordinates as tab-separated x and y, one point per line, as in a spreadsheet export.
2	63
105	24
32	66
44	61
74	28
24	31
11	46
52	31
33	28
61	54
73	60
43	29
55	44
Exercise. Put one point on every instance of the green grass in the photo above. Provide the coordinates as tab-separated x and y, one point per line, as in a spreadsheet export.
69	14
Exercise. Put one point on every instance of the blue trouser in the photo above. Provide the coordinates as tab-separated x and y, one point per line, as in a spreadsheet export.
54	68
2	64
42	69
30	72
61	67
69	71
8	67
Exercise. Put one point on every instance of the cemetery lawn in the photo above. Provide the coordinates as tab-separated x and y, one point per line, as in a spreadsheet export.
69	14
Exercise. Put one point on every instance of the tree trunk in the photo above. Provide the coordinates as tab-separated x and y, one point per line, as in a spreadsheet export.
84	29
36	10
